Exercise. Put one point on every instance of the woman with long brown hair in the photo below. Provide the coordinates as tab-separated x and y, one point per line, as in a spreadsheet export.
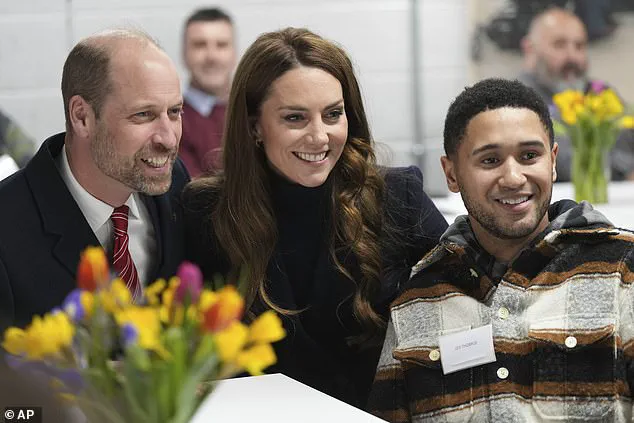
326	235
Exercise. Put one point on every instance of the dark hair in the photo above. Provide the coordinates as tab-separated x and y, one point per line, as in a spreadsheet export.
211	14
491	94
243	219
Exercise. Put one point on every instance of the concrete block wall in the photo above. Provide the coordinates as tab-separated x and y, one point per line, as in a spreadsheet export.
36	35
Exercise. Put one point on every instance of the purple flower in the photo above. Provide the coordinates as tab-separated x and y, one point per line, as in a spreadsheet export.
129	334
73	307
191	283
597	86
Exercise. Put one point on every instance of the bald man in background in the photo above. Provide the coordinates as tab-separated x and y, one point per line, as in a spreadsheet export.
556	59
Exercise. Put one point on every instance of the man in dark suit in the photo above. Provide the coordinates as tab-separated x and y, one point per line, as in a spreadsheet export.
112	179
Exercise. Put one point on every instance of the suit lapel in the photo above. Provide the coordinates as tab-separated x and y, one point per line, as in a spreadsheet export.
61	215
160	233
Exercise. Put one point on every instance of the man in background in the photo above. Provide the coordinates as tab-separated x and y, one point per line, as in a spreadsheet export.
210	57
556	59
111	180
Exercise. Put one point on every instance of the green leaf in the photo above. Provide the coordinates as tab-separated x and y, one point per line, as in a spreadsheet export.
187	397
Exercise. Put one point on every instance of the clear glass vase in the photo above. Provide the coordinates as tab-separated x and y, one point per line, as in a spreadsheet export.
591	175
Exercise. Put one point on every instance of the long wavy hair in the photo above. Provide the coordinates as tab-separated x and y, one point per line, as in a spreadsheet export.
242	217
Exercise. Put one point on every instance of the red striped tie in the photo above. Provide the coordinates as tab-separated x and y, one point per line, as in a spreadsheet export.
121	259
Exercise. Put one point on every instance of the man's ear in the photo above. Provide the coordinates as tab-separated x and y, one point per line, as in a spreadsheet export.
449	167
82	116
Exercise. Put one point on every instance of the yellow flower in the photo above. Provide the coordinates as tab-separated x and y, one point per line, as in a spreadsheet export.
257	358
207	299
87	301
570	104
45	336
169	314
627	122
14	341
266	328
611	105
231	340
567	99
116	297
153	292
61	328
569	116
145	321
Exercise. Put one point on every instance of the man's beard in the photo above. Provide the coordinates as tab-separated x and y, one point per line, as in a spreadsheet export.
558	81
125	169
496	226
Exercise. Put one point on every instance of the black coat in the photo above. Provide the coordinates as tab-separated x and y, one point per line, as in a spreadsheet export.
43	232
315	351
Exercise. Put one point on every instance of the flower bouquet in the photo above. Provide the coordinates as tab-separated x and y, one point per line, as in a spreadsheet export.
154	361
592	120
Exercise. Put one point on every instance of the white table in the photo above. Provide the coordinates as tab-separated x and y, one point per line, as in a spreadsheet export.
7	166
619	209
275	399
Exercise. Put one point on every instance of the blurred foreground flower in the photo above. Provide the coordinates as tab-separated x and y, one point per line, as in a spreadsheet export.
122	362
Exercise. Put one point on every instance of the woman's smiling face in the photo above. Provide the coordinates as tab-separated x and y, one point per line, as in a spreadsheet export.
303	125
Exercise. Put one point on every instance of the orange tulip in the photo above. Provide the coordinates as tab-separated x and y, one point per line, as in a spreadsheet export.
227	308
92	272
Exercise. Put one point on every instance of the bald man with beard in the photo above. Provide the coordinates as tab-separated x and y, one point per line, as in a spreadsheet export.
556	59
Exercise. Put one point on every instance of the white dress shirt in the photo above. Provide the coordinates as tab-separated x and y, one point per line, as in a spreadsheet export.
142	238
200	101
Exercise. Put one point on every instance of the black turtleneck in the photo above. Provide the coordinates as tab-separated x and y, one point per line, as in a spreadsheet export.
301	222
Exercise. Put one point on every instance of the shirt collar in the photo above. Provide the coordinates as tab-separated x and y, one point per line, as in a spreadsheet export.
200	101
96	212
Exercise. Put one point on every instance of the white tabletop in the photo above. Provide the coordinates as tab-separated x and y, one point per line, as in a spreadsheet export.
7	166
276	399
619	209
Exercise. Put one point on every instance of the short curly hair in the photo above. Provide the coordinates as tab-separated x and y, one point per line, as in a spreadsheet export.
491	94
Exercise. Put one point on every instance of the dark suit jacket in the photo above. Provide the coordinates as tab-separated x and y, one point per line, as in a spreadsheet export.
315	351
43	231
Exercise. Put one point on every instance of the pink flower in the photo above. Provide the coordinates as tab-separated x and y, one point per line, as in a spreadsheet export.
597	86
191	283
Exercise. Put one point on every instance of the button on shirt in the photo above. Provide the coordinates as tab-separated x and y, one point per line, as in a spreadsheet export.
142	244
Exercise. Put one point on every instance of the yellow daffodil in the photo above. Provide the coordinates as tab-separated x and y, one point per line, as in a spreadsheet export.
116	296
207	299
266	328
144	327
611	105
45	336
627	122
14	341
87	301
257	358
61	329
169	313
152	293
231	340
569	116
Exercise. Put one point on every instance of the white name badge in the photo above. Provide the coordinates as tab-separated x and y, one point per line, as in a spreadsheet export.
467	349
